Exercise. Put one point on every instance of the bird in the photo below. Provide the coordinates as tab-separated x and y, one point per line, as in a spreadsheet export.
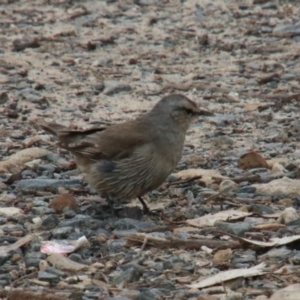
127	160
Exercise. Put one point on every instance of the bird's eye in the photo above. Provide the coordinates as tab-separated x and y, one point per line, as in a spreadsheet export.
189	111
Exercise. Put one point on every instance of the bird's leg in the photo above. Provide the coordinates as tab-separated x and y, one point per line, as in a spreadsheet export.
111	206
146	209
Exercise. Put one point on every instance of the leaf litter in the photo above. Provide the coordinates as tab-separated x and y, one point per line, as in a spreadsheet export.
98	62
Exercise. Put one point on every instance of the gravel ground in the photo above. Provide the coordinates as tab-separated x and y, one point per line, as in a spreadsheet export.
227	224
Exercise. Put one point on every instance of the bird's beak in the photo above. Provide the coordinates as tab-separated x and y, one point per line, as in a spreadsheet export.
203	112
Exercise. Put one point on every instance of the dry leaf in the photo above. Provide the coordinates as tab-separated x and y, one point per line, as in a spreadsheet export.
273	242
32	295
253	106
60	202
184	229
63	263
284	185
228	275
252	160
291	292
210	220
269	226
24	240
222	257
16	162
10	211
206	175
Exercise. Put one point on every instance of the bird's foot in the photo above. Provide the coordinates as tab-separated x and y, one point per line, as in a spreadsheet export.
146	210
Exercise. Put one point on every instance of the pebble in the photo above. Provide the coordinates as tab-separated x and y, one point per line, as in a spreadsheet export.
3	97
49	222
261	209
128	276
288	215
128	224
33	185
246	190
115	87
280	254
49	277
62	233
33	259
102	62
227	186
127	50
10	211
238	229
152	294
296	258
82	221
283	30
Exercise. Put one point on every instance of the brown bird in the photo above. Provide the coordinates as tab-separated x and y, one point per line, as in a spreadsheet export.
128	160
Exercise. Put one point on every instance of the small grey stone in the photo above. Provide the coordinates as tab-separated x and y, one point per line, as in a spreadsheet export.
294	223
245	195
103	232
27	91
117	246
278	254
128	276
42	210
246	257
102	62
76	257
5	279
55	271
47	167
289	76
118	298
33	259
270	286
11	228
152	294
45	276
99	86
4	257
127	224
261	209
283	30
67	109
49	222
33	98
246	189
3	98
62	232
40	202
27	174
296	259
115	87
82	221
33	185
238	229
69	213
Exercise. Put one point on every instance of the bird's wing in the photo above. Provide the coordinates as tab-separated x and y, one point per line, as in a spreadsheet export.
112	142
50	127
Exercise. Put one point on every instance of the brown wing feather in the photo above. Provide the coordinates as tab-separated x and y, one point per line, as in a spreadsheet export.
101	142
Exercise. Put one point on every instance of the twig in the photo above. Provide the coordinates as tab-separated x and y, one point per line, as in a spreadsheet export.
23	277
180	243
143	247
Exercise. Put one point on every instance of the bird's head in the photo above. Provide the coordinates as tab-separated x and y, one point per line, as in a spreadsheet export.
181	109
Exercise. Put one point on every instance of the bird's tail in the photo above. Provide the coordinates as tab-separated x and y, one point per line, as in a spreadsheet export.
66	135
51	127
